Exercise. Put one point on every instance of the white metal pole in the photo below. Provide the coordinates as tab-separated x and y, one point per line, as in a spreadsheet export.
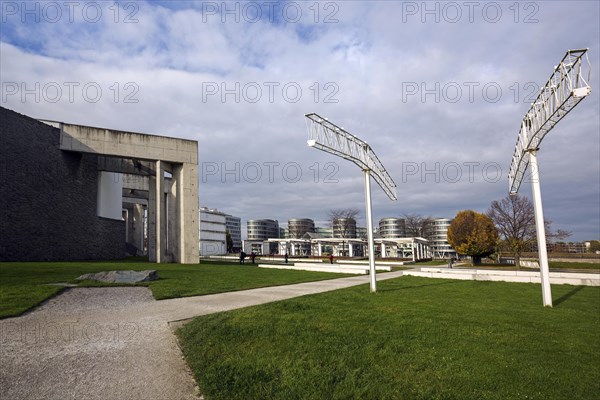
541	232
370	231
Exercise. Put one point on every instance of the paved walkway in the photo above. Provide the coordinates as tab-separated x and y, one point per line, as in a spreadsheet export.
116	343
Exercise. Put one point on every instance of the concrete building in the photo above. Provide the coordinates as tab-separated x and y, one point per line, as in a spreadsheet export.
64	193
414	248
297	227
437	234
234	227
392	228
213	227
313	244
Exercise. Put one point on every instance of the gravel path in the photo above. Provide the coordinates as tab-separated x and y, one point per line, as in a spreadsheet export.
83	344
116	343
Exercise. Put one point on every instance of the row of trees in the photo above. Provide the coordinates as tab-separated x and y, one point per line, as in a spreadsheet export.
509	225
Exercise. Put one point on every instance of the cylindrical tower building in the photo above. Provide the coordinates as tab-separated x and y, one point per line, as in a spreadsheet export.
297	227
437	234
344	228
392	227
262	229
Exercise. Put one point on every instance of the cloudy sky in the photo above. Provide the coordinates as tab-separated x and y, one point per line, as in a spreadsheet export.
437	89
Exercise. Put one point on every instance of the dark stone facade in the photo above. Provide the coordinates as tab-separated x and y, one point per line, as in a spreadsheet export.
48	198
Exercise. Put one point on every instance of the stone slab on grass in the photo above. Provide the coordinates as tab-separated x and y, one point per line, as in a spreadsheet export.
121	276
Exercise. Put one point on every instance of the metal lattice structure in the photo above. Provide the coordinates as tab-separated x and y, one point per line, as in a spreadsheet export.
568	85
329	137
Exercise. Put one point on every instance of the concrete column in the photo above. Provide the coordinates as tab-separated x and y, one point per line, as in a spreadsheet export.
156	211
152	218
350	250
383	249
128	222
186	229
137	227
320	249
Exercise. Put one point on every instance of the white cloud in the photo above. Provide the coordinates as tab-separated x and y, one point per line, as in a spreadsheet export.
186	69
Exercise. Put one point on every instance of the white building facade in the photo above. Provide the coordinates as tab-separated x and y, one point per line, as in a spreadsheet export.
234	227
213	228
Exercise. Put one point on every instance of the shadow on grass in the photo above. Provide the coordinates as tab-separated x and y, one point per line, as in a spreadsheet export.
568	295
420	286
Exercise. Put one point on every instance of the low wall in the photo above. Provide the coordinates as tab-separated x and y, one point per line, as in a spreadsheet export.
556	278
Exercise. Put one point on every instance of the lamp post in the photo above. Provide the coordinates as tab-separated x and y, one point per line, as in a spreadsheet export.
328	137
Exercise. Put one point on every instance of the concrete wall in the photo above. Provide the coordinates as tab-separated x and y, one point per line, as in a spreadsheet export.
212	248
48	198
110	195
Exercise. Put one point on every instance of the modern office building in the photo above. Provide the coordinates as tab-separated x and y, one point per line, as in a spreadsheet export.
344	228
262	229
234	227
437	234
297	227
259	231
213	228
392	228
559	247
283	233
324	232
361	232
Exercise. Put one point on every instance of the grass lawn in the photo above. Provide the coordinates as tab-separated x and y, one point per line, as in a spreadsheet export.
430	263
416	338
23	285
574	265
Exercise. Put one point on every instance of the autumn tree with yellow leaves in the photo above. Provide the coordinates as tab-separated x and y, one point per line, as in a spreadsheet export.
473	234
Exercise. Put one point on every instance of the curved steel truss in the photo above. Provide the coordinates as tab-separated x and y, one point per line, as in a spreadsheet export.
568	85
327	136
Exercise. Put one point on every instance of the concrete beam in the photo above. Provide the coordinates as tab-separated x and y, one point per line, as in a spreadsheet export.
135	182
87	139
125	166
